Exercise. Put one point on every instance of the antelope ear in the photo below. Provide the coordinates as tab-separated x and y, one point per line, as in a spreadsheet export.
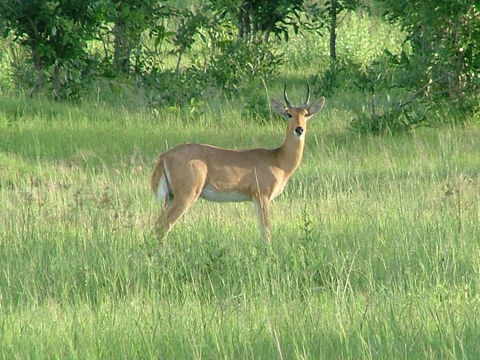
279	108
315	107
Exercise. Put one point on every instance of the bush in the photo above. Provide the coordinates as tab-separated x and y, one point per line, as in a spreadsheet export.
69	81
236	67
255	102
392	119
54	35
240	62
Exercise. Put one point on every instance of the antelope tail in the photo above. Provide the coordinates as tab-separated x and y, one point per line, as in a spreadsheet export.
157	175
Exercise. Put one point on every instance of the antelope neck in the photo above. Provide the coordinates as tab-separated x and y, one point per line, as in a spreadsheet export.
291	152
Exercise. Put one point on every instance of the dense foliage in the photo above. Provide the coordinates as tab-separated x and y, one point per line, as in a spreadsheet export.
445	40
174	52
54	31
55	34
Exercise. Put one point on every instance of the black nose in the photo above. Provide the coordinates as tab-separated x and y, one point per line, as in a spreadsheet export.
298	130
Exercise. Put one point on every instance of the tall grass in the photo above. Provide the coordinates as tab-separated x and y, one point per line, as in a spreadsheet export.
375	250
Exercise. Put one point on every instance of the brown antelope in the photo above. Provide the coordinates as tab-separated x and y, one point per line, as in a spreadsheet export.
189	171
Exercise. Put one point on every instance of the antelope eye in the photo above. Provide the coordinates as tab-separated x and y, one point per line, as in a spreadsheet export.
289	115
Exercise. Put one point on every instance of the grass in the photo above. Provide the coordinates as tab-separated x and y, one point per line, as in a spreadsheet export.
375	250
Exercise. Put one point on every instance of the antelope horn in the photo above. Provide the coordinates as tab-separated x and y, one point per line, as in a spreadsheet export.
305	104
289	104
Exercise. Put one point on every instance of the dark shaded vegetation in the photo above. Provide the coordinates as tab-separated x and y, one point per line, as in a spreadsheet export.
180	55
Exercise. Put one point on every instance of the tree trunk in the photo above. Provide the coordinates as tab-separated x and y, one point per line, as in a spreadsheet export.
244	22
333	35
122	48
179	58
39	68
56	81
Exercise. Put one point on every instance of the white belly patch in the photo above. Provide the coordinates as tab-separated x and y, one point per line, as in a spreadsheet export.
209	193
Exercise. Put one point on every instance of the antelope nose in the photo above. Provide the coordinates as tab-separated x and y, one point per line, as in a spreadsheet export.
298	130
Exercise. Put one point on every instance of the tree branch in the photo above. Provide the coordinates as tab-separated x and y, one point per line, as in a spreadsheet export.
421	90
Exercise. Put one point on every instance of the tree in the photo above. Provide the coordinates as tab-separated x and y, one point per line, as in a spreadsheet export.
445	39
258	18
54	31
334	8
190	23
131	19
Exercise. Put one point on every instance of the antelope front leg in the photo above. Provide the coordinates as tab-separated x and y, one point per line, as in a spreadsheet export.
262	208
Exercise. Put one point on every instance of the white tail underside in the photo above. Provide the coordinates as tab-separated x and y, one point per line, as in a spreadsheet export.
162	190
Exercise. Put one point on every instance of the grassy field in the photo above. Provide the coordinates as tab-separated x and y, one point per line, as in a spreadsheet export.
375	249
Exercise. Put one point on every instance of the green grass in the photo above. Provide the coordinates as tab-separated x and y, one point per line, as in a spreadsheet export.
375	251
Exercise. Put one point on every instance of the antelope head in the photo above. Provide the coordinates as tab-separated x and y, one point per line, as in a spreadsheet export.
297	116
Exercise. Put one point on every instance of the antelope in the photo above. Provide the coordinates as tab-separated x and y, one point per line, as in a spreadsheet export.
189	171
